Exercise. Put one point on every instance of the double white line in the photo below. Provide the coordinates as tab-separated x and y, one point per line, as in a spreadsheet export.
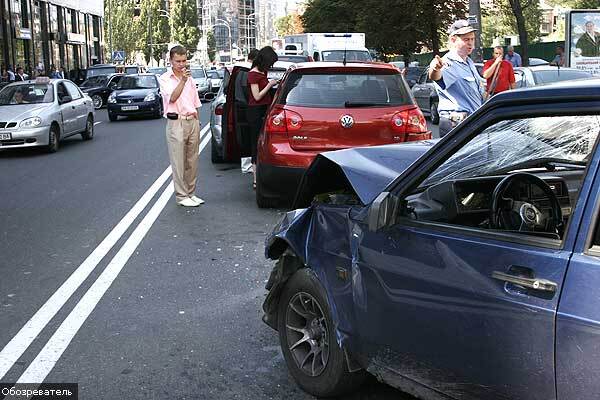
41	366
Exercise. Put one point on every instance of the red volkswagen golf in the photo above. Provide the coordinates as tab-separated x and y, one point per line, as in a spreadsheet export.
327	106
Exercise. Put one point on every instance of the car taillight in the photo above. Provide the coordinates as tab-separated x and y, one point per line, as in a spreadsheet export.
411	125
219	109
282	121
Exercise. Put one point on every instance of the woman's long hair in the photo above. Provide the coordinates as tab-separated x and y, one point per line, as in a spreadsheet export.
265	59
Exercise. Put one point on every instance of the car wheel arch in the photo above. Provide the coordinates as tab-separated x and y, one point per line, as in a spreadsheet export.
288	263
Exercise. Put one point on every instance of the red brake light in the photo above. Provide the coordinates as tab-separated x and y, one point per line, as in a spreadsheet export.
411	125
282	121
219	109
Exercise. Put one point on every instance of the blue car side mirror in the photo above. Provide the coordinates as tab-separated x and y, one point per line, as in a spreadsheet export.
383	211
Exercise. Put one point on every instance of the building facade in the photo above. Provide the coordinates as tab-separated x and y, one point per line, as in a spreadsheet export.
38	34
233	24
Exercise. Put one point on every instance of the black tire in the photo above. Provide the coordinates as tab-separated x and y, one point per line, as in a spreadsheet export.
263	201
88	134
435	116
159	112
112	117
215	157
303	306
53	139
97	101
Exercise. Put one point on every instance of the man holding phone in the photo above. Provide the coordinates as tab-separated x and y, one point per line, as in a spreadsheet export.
181	103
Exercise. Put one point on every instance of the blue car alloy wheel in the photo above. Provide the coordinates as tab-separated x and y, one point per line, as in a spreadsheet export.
308	340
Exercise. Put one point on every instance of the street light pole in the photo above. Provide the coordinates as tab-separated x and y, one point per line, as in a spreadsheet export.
110	29
225	23
248	31
475	21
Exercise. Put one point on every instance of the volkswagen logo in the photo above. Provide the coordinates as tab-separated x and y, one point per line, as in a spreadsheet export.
347	121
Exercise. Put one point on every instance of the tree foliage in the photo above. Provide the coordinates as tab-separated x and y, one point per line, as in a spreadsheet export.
391	26
154	29
524	17
184	23
212	45
121	27
290	24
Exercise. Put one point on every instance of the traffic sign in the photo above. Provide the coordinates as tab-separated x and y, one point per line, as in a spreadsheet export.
118	56
472	20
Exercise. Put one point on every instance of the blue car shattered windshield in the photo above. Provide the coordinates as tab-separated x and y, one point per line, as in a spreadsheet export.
521	144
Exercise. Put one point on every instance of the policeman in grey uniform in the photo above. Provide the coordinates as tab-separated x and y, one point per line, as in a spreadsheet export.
458	84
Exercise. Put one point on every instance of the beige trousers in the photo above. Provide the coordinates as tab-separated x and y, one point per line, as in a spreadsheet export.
183	139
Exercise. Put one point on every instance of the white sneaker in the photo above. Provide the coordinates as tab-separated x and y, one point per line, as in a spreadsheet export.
188	202
197	199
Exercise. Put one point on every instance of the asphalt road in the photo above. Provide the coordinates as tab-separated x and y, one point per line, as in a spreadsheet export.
106	282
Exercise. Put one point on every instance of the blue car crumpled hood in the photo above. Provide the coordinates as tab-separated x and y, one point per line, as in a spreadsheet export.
366	170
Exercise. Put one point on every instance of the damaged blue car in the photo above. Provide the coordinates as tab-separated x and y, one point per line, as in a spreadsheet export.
466	268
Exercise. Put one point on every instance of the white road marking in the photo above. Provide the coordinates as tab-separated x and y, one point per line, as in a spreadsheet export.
41	366
97	122
32	328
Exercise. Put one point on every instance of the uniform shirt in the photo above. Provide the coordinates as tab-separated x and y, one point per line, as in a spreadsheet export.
460	88
262	81
187	103
515	59
506	76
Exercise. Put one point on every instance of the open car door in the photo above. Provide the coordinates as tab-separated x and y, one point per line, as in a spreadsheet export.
234	121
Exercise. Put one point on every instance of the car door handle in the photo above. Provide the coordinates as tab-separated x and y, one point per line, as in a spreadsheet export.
530	283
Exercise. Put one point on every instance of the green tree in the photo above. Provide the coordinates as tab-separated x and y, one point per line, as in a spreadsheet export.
212	45
122	27
331	15
435	16
290	24
493	26
184	23
524	17
154	29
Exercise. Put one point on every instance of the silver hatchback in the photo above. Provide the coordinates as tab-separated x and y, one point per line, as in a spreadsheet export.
42	112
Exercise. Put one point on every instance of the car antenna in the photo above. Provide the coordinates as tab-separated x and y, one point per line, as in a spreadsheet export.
345	47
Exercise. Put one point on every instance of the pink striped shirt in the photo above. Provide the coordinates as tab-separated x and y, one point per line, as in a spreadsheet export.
187	103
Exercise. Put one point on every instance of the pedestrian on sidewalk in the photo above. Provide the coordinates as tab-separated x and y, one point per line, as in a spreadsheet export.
181	103
513	57
499	73
259	97
559	59
246	162
456	79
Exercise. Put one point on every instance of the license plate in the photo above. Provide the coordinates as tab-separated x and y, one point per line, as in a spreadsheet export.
5	136
130	108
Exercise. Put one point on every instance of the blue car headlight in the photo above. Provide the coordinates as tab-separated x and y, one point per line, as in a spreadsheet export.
30	122
150	97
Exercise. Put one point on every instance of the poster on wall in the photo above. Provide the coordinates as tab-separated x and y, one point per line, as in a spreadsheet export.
582	41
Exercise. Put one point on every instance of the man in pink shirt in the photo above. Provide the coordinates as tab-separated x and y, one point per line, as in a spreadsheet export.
181	103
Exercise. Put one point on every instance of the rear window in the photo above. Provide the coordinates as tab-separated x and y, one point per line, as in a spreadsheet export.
344	90
550	76
351	55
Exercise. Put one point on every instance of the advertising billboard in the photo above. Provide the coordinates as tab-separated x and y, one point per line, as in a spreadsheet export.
582	42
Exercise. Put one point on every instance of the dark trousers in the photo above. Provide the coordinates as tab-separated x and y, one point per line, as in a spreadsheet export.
256	118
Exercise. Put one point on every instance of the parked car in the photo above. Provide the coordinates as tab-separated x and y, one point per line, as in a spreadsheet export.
537	61
42	112
136	95
201	80
463	269
225	147
544	75
100	87
158	71
319	107
294	58
426	97
216	78
412	75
